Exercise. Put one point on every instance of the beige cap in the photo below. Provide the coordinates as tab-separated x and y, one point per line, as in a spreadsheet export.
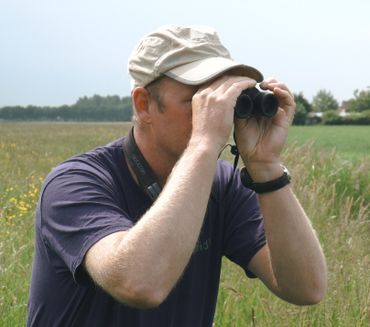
191	55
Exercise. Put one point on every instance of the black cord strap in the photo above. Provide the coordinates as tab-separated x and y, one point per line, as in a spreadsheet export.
141	168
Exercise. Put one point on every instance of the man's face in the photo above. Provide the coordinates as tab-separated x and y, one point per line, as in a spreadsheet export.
172	117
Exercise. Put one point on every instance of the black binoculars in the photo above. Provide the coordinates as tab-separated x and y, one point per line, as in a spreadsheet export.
253	103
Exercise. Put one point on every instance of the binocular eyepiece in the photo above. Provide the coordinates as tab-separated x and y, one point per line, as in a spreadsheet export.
253	103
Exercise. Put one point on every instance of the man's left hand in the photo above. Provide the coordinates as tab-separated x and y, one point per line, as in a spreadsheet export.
260	140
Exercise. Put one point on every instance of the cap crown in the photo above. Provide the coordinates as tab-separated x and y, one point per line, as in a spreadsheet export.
172	46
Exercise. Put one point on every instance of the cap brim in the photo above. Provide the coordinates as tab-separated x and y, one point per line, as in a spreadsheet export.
201	71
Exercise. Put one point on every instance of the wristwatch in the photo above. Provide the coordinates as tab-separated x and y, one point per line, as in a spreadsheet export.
265	187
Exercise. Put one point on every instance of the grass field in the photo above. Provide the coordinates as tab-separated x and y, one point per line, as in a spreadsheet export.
350	142
332	184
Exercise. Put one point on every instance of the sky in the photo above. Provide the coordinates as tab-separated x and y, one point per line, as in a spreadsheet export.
54	52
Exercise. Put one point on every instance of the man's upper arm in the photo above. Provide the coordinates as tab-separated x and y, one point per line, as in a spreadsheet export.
77	211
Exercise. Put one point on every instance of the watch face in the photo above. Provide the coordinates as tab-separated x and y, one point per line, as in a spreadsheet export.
286	171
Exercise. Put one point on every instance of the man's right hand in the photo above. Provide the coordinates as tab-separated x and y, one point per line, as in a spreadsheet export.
213	109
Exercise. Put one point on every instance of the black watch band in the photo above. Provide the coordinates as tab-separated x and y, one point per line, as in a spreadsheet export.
266	187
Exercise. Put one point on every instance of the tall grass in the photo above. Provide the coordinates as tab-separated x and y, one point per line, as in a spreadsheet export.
28	151
334	191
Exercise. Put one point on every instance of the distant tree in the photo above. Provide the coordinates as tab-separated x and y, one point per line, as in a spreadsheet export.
361	101
303	107
300	115
324	101
300	98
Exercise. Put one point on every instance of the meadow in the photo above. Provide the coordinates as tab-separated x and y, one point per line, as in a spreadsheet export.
331	173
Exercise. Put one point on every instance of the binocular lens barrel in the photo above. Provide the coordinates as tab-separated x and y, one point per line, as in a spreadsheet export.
253	103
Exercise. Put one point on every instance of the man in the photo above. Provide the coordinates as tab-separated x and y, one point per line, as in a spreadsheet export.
111	250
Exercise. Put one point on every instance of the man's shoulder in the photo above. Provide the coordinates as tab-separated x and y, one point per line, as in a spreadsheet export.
110	152
102	161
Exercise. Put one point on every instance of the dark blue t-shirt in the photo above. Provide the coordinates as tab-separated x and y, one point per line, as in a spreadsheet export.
92	195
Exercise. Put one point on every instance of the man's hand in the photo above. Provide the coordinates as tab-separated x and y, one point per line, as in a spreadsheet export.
213	109
260	140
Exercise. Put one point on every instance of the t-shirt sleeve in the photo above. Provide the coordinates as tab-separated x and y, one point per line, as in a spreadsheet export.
78	208
244	233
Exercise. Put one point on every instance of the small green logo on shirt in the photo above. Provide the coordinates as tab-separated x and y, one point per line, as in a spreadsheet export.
202	245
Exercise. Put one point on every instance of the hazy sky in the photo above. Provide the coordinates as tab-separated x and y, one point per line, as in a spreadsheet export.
53	52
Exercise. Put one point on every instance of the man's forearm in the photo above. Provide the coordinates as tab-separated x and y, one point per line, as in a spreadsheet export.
297	260
155	252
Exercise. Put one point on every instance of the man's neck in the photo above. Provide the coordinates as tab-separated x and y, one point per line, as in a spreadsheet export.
160	164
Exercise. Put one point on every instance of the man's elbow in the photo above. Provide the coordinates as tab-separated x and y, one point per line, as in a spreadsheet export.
312	294
141	296
314	297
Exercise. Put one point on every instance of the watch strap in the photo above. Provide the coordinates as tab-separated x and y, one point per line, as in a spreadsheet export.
265	187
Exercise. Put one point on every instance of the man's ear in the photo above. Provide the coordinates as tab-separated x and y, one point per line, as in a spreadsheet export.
141	100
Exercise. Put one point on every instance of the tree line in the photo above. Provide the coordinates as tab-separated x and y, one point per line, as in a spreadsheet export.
95	108
324	108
